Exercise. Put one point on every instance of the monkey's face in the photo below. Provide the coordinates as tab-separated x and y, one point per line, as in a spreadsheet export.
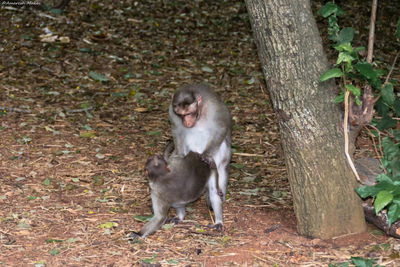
187	107
156	166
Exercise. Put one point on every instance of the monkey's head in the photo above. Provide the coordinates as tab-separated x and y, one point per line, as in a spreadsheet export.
156	166
186	104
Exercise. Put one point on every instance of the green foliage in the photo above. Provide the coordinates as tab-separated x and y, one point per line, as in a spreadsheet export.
383	198
387	94
358	262
332	73
346	35
330	9
387	190
355	73
361	262
98	77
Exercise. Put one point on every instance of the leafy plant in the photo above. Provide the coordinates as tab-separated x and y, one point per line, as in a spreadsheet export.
356	73
353	71
387	190
358	262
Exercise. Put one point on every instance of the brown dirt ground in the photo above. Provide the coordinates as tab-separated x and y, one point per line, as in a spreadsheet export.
72	149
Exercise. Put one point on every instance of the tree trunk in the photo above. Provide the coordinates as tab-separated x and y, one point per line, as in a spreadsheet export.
292	59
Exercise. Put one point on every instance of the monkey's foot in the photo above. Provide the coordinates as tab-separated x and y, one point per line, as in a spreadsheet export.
134	236
174	220
218	226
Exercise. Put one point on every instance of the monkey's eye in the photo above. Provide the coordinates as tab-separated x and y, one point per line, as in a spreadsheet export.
189	114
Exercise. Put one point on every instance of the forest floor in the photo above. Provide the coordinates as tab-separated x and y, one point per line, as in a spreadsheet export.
83	102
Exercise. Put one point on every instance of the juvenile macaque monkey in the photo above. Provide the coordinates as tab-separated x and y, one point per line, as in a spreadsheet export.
202	123
209	161
174	183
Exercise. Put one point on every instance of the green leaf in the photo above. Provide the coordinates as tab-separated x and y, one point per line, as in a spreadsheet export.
391	151
108	225
386	122
354	90
46	182
339	98
333	28
54	252
344	57
367	191
332	73
345	47
387	93
357	100
346	35
48	241
237	166
383	178
142	218
396	106
382	200
396	134
150	260
366	70
153	133
384	183
329	9
393	212
360	262
98	77
87	134
382	108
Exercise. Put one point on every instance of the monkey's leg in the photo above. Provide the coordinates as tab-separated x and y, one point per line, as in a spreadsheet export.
215	201
160	215
210	161
222	158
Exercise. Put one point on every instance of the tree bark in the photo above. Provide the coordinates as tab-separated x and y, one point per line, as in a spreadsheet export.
292	59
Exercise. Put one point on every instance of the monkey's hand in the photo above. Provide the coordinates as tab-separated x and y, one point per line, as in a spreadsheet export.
208	160
133	236
218	226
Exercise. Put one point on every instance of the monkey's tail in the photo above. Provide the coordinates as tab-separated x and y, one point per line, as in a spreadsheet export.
168	149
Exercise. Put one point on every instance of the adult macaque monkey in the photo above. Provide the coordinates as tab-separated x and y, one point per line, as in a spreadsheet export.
174	184
202	123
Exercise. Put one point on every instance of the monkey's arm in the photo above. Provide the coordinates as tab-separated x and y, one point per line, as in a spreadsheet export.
214	143
160	208
177	133
221	128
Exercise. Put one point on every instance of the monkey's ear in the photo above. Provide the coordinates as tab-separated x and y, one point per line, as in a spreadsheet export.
167	168
147	172
198	98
